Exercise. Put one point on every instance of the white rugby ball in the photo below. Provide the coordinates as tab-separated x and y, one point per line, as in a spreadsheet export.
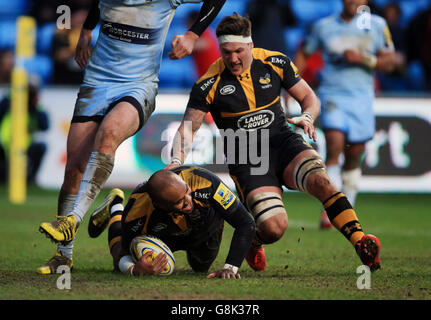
142	244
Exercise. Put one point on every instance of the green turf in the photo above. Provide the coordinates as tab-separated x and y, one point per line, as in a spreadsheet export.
306	264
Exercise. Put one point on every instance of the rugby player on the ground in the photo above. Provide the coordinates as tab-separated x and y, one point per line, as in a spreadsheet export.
241	90
186	209
115	100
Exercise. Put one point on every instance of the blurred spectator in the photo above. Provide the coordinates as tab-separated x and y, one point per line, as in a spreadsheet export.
6	66
269	18
395	80
206	49
418	43
66	70
374	8
314	65
392	15
37	121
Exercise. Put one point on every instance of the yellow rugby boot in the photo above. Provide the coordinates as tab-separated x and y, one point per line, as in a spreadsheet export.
62	230
56	261
100	217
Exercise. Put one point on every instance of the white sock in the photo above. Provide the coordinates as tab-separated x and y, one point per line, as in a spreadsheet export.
351	180
334	173
117	207
96	173
65	205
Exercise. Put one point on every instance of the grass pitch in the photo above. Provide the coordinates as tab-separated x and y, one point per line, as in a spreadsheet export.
306	264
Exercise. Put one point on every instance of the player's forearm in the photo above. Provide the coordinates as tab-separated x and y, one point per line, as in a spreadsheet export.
310	104
93	16
245	230
207	14
386	62
182	143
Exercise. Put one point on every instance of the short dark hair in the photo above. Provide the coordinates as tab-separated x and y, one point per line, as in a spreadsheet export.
234	24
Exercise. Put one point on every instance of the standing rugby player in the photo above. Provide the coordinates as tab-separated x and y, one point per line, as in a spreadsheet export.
241	90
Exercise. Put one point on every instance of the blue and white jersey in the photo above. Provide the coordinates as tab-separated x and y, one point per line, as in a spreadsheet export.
131	40
333	36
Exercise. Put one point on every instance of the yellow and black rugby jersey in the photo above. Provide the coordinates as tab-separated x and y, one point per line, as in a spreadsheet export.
248	101
213	203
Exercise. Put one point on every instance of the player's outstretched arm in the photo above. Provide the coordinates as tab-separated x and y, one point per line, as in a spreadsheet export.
183	45
310	106
83	48
183	139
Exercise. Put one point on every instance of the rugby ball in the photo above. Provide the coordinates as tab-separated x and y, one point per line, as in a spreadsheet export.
142	244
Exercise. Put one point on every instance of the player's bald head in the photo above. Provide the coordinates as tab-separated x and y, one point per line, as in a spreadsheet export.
164	185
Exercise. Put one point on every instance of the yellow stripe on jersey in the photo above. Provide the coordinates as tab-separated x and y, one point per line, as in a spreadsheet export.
262	55
194	181
180	221
143	206
211	94
235	114
388	37
216	68
246	82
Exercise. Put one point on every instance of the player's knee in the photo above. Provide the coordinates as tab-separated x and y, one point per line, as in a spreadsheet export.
106	140
266	205
309	172
273	229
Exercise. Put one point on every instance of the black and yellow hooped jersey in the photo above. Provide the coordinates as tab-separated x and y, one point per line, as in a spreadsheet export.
248	101
213	203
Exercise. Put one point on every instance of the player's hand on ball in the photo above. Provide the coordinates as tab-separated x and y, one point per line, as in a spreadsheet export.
183	45
148	266
224	274
83	48
305	121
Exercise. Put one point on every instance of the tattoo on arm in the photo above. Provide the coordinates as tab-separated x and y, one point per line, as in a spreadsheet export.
183	139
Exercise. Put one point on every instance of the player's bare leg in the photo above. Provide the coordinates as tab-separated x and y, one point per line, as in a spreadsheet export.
119	124
315	181
265	203
80	141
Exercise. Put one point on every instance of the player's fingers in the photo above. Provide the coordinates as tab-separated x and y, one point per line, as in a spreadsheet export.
172	55
146	256
175	41
212	275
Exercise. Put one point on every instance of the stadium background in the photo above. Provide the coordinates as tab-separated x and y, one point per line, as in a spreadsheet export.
396	160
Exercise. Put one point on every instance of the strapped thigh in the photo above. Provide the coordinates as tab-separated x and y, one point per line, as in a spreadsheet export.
265	205
306	168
